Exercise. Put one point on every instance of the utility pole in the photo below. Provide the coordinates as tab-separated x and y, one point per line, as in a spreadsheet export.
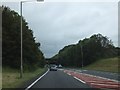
82	55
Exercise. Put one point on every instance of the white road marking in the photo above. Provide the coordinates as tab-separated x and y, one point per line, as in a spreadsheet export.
92	81
61	69
102	84
99	77
69	74
85	70
36	80
80	80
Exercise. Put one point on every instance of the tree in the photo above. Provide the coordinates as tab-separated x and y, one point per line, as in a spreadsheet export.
93	48
11	43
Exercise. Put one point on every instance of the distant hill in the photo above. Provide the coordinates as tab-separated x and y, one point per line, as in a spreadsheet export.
87	50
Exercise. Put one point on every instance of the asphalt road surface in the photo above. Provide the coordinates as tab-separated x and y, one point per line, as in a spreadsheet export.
59	79
95	81
108	75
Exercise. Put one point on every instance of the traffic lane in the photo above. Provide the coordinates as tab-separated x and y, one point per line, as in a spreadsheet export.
103	74
59	79
108	75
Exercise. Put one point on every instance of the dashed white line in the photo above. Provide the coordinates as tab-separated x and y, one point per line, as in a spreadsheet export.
69	74
85	70
80	80
36	80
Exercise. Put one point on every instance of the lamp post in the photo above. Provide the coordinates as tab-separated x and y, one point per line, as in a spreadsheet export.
82	55
21	61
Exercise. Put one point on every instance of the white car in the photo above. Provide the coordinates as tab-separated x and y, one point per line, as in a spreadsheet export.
59	66
53	67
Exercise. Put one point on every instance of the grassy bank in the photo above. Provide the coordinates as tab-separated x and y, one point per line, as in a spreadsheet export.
10	77
110	65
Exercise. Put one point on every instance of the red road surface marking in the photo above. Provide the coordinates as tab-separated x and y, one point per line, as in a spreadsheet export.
95	82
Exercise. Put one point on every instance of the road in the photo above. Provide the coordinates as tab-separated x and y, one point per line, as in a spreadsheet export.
96	79
59	79
108	75
74	78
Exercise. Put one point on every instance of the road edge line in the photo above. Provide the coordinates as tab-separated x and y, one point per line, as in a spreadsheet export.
37	80
80	80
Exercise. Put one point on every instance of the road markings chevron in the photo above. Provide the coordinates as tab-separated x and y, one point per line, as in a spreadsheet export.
94	81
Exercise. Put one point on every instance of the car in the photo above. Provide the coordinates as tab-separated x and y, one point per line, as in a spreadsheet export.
53	67
59	66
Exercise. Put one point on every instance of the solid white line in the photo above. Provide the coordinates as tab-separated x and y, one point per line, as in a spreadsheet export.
80	80
37	80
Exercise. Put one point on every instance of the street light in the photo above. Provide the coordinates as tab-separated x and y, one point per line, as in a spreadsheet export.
21	62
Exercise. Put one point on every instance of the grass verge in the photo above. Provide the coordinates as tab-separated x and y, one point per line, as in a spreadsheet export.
11	77
0	77
109	64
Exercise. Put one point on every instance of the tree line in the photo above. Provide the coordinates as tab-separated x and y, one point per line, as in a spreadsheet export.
89	49
86	51
11	42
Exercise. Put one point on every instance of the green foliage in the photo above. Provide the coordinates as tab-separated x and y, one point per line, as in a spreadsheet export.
11	42
108	64
90	49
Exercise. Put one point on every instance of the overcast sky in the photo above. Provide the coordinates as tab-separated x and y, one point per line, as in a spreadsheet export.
57	24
